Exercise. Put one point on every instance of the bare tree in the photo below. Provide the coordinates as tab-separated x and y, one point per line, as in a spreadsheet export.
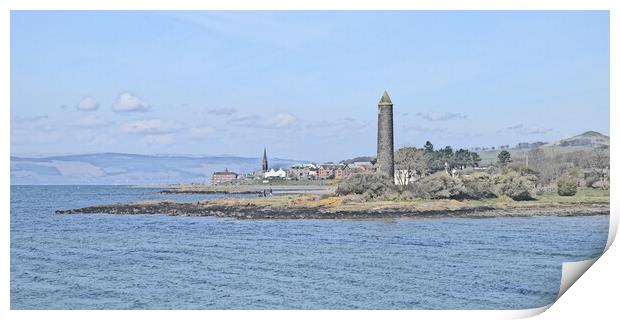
599	164
411	162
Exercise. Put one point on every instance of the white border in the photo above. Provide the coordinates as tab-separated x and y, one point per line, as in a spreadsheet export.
595	294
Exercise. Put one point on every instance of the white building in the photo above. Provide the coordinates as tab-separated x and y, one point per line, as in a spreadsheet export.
362	166
275	174
403	177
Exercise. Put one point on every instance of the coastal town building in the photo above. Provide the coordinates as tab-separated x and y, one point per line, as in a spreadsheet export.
326	171
275	174
306	171
362	166
343	170
223	177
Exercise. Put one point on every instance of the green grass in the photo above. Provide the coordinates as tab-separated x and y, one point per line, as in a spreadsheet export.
489	157
582	196
288	182
356	202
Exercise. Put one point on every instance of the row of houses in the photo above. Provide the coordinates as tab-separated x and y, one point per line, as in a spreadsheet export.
327	171
322	172
342	170
306	171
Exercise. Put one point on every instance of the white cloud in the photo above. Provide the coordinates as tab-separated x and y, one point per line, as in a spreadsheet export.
440	116
246	120
88	104
151	126
283	120
515	127
222	111
280	120
522	129
128	102
535	130
346	123
420	129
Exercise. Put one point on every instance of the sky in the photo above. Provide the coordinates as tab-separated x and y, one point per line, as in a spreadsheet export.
303	84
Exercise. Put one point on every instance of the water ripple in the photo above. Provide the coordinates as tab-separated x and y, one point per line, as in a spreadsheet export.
160	262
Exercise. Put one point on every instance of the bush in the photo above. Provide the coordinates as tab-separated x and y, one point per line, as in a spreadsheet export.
591	181
371	185
406	195
567	187
437	186
504	157
516	186
478	186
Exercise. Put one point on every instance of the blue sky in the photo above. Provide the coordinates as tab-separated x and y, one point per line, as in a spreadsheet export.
303	84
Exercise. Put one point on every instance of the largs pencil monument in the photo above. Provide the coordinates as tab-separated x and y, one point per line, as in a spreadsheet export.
385	137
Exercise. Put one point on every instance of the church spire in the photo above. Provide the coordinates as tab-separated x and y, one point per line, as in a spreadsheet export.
265	164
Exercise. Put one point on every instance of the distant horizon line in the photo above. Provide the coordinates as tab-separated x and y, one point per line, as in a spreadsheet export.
199	155
194	155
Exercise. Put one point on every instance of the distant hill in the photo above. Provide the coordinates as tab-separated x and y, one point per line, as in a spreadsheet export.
360	159
587	139
121	168
582	142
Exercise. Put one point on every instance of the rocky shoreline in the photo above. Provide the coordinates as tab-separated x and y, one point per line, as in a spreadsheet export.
254	189
252	211
178	191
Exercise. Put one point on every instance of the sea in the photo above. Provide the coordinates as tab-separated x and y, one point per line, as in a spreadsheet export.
99	261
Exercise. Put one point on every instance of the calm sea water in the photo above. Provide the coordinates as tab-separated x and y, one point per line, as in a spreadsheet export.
161	262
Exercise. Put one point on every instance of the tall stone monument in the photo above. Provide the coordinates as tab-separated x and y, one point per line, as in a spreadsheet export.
385	137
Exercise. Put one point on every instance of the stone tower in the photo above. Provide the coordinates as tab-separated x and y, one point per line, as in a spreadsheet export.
265	167
385	137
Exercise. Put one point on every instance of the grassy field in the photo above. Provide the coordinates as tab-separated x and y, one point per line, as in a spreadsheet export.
353	203
489	157
288	182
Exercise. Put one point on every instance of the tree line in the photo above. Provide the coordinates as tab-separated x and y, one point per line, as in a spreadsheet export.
428	173
427	160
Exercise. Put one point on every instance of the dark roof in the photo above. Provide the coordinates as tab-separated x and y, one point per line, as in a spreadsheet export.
222	173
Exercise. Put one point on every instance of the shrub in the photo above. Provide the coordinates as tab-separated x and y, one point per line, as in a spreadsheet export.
371	185
437	186
567	187
406	195
516	186
591	181
492	170
504	157
478	186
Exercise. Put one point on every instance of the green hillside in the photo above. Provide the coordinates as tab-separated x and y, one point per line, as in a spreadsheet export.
583	142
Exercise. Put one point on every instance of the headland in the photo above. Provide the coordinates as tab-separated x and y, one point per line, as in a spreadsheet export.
356	207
